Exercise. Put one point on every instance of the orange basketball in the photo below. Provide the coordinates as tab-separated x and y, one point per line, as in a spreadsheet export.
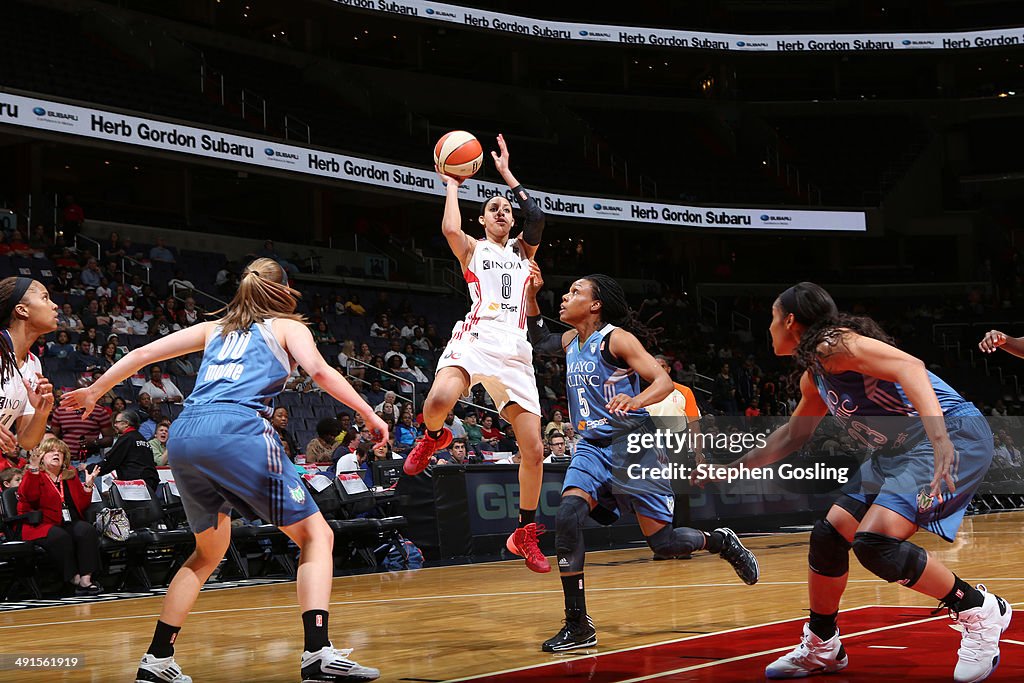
458	154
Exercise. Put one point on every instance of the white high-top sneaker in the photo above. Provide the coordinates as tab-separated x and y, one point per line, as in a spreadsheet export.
979	645
329	665
812	656
160	670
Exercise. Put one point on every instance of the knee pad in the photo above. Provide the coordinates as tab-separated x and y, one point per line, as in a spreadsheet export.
830	552
572	512
889	558
669	542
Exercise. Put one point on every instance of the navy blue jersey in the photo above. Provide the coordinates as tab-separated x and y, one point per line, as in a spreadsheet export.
851	396
244	368
591	381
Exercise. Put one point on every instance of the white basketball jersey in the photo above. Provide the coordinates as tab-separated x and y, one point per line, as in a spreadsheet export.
497	278
14	402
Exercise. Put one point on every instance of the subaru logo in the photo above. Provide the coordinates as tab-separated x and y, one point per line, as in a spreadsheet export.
430	11
740	43
38	111
906	42
583	33
269	151
765	217
597	206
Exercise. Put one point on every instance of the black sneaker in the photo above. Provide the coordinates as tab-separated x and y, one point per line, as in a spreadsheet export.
741	559
575	634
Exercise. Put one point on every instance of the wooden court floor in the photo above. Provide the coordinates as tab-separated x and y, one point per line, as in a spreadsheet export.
447	623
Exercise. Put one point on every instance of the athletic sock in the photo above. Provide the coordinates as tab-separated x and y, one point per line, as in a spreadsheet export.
526	517
314	626
714	542
962	596
823	625
575	598
435	434
163	640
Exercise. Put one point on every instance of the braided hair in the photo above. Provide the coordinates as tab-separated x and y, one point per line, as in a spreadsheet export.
813	307
615	309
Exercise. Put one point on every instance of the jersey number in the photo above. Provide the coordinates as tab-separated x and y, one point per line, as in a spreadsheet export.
234	346
506	286
584	406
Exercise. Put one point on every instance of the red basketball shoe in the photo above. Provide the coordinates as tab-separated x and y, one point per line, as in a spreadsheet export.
523	542
419	456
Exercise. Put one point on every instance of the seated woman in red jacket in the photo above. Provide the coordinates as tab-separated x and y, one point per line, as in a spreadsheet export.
49	486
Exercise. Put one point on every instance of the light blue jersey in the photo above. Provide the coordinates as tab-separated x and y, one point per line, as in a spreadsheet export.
244	368
591	380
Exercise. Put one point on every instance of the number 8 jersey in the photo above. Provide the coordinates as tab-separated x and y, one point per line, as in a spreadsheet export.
497	279
591	380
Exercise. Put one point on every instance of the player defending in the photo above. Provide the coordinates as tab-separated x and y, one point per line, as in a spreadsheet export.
604	366
930	452
490	347
224	454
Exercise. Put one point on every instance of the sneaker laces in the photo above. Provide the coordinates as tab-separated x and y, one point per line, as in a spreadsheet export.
533	531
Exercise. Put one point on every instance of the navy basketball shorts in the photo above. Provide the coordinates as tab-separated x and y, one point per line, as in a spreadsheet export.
225	456
901	482
604	473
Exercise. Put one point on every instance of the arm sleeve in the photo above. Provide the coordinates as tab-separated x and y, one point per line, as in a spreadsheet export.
533	223
543	339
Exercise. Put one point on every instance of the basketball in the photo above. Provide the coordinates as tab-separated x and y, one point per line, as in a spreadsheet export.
458	154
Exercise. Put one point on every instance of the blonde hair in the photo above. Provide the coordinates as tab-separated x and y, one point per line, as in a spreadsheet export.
263	293
52	443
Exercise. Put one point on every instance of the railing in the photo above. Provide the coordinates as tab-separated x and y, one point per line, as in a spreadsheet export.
124	268
398	394
99	247
706	303
192	291
254	101
294	122
738	321
773	160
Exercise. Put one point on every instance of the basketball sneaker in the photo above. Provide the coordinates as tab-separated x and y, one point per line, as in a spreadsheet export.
812	656
160	670
419	456
328	665
575	634
523	542
741	559
978	655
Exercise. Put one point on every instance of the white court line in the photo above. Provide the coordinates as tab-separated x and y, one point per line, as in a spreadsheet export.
887	647
1007	640
484	676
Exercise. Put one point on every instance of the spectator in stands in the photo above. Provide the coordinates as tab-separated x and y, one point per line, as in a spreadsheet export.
103	312
299	381
409	328
179	282
279	421
104	290
507	443
160	388
322	334
571	439
117	405
556	447
51	488
355	461
320	449
345	420
109	355
268	251
161	326
90	275
382	327
556	424
137	324
40	240
121	348
12	459
395	350
408	378
90	314
83	359
489	431
454	425
130	250
456	454
346	359
374	395
10	478
388	406
61	347
420	341
189	315
148	426
405	434
724	392
145	403
113	248
64	281
67	319
74	217
433	337
118	321
131	455
353	307
474	434
160	252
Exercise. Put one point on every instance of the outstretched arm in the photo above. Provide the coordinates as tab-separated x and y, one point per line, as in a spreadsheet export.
533	216
994	339
178	344
461	244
